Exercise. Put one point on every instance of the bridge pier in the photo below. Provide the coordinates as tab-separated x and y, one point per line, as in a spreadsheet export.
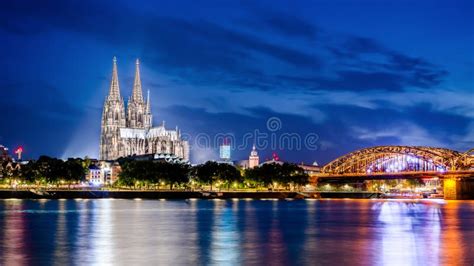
458	188
451	188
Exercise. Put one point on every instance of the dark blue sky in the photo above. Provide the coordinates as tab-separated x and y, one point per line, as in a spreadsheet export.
356	73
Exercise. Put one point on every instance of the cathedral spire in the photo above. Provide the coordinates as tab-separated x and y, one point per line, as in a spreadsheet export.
148	107
114	92
147	117
137	95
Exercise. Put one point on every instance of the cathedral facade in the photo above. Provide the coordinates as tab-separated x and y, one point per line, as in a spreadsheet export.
128	131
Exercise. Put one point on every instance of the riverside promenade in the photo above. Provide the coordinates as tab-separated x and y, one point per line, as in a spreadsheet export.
147	194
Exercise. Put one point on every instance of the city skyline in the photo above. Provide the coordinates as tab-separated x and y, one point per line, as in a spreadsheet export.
370	79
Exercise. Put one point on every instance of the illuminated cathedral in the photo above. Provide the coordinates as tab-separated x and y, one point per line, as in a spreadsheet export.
129	131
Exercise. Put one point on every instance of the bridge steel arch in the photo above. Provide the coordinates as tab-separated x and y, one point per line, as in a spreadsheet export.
464	160
359	161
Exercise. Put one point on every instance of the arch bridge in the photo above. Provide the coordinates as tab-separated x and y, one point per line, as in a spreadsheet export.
399	160
403	162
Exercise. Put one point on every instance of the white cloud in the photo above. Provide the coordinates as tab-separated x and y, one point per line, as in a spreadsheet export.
201	155
407	134
458	102
466	141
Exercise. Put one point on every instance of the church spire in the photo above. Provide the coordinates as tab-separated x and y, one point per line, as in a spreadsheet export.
114	92
147	117
148	107
137	95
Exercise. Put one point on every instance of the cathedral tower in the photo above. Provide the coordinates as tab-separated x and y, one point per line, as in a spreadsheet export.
113	118
137	116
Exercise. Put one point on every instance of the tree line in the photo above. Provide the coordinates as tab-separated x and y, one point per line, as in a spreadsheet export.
210	174
157	174
45	170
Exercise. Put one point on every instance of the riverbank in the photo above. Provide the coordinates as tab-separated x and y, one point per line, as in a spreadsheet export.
132	194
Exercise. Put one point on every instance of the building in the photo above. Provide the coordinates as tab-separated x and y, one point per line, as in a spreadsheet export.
95	175
103	172
244	164
253	158
169	158
310	169
129	131
4	153
110	171
224	151
275	159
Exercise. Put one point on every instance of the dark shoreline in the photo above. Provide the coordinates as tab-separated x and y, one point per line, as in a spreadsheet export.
124	194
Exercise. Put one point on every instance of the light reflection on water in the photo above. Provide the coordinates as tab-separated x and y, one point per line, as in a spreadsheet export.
217	232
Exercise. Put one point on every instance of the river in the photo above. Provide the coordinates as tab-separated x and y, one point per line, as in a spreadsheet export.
236	232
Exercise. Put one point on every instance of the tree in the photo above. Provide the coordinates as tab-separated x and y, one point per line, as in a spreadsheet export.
206	174
51	169
269	174
228	174
74	170
274	174
151	173
174	173
127	175
251	177
29	173
8	170
292	174
145	172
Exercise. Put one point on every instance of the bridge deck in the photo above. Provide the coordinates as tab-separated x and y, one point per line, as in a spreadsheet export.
399	175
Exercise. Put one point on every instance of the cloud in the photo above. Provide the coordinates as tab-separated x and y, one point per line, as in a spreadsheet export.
264	19
202	51
406	134
213	73
464	142
44	100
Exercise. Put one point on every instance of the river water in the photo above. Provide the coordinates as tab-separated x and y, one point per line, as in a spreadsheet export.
236	232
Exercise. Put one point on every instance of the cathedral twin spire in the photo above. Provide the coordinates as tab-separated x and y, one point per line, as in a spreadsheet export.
138	112
125	129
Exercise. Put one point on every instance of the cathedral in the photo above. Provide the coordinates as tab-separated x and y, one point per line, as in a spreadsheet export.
129	131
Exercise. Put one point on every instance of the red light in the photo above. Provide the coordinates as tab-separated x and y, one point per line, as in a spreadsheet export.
275	156
19	150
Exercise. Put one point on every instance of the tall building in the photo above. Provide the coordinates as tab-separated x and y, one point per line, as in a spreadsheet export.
130	131
224	151
253	158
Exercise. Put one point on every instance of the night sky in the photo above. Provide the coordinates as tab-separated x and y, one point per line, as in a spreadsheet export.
356	73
